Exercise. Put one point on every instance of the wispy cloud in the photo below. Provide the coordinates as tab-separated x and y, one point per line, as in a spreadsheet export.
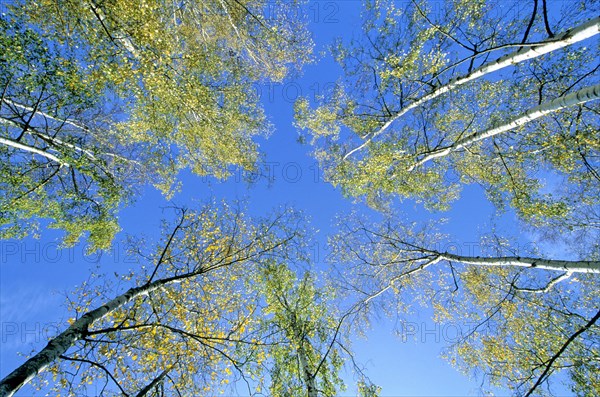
29	314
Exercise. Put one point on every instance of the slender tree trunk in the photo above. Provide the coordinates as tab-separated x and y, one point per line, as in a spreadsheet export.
577	34
307	375
31	149
61	343
121	39
58	142
581	96
547	264
309	379
46	115
47	138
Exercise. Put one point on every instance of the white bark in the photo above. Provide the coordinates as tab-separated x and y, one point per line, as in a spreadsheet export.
31	149
548	286
58	142
434	257
61	343
584	95
124	41
54	141
309	378
577	34
46	115
519	261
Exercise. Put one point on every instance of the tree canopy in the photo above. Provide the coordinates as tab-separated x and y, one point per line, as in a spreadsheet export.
100	97
496	94
436	96
103	98
519	319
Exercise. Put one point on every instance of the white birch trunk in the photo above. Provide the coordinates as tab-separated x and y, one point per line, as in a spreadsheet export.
584	95
307	375
124	41
46	115
309	379
31	149
61	343
59	142
519	261
577	34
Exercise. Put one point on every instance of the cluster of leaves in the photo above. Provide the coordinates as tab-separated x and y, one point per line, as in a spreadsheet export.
99	96
373	137
308	359
517	326
56	172
522	333
215	304
436	96
213	319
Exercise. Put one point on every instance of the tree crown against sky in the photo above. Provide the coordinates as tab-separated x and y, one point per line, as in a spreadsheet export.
431	90
438	95
99	98
213	302
518	318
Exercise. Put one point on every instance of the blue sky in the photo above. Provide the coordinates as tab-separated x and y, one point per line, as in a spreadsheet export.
34	275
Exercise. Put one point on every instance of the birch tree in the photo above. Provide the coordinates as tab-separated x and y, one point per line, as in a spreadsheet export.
186	325
100	97
312	337
435	96
517	320
54	167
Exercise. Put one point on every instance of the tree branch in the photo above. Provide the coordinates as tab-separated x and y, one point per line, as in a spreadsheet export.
95	364
584	95
579	33
561	351
31	149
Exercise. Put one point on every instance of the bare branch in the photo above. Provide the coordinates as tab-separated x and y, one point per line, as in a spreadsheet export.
557	355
